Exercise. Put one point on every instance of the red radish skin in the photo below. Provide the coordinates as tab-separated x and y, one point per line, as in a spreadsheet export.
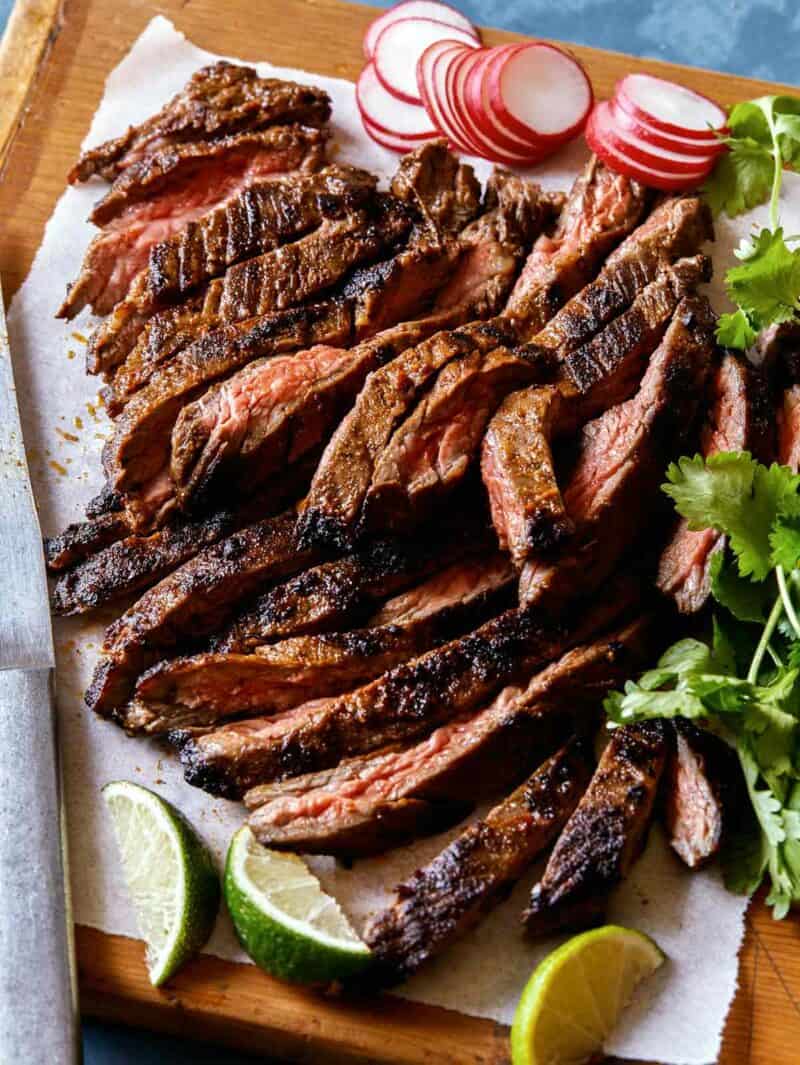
645	132
416	9
540	91
441	82
388	114
670	107
401	145
640	152
476	101
665	180
449	90
400	47
431	74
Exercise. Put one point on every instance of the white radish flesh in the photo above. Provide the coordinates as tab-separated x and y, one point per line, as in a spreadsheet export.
399	48
432	77
539	91
477	102
386	140
385	112
641	151
416	9
658	139
669	106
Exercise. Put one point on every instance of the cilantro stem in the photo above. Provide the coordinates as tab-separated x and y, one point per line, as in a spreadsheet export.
776	658
777	174
766	636
788	605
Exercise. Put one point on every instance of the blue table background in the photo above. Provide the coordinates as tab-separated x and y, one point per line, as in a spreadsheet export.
759	38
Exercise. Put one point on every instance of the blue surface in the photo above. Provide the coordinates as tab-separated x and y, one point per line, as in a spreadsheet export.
759	38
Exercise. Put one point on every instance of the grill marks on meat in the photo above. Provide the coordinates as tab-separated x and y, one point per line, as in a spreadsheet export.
446	898
621	462
82	539
370	803
528	511
218	100
154	199
193	601
739	419
204	689
703	786
606	833
602	208
404	703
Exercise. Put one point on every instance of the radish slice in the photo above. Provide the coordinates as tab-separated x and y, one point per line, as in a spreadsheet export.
640	151
476	100
399	48
656	139
393	143
657	178
432	72
487	146
385	112
416	9
670	107
540	92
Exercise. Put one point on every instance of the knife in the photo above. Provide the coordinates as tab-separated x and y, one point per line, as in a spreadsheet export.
38	997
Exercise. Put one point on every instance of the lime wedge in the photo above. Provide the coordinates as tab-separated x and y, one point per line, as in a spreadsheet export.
283	918
575	996
170	875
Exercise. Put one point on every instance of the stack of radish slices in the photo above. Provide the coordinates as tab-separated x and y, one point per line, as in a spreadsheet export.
427	76
657	132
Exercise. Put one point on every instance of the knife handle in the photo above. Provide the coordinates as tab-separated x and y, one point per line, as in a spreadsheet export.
38	995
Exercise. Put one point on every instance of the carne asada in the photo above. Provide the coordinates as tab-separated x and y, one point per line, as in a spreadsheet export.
739	419
207	688
408	701
605	835
370	803
452	893
82	539
218	100
155	198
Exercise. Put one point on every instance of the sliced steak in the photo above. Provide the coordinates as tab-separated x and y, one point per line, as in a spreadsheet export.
622	457
602	208
82	539
605	835
446	898
739	419
528	511
156	198
431	452
407	702
207	688
370	803
788	419
445	193
703	791
192	602
218	100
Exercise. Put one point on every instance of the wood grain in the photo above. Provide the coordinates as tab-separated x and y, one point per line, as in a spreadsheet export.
212	999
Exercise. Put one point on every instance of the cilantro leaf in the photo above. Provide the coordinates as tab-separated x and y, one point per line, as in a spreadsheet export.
785	541
741	179
746	600
734	330
767	284
744	855
749	119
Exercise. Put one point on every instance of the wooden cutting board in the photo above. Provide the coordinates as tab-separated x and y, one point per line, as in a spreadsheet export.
52	69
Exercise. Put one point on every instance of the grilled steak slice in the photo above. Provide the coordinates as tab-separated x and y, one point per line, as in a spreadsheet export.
430	453
788	418
441	902
367	804
218	100
738	420
701	793
602	208
621	462
82	539
407	702
343	592
207	688
528	511
606	833
677	228
192	602
156	198
445	193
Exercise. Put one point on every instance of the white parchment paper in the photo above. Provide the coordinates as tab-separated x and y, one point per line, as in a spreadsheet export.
680	1015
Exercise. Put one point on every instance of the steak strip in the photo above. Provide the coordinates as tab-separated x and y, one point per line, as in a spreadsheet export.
408	701
218	100
442	901
370	803
606	833
207	688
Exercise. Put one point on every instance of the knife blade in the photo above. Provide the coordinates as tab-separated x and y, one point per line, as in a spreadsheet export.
38	999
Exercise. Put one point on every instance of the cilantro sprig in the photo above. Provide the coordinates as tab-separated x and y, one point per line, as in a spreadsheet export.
763	138
744	681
